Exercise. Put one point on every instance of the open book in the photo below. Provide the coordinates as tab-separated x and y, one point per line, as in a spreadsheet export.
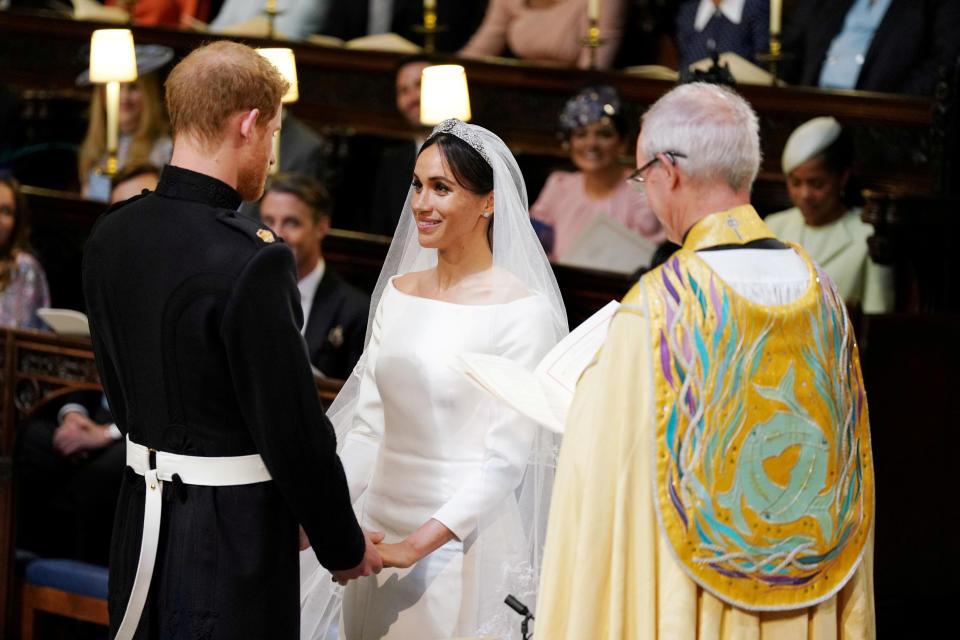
66	322
376	42
544	394
608	244
744	71
93	10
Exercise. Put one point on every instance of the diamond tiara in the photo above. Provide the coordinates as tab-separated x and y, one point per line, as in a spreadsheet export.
465	132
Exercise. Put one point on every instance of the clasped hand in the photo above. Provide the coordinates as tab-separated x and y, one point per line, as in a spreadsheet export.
371	562
79	434
378	555
401	555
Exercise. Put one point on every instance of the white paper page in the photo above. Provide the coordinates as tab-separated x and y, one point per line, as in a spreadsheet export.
513	385
65	321
607	244
743	70
545	394
562	366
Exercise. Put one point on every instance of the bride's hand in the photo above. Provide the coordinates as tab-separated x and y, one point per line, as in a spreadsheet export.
429	537
400	555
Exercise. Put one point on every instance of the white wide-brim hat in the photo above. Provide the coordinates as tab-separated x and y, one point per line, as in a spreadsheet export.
808	140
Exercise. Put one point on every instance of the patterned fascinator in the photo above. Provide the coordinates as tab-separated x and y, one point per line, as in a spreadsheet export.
590	105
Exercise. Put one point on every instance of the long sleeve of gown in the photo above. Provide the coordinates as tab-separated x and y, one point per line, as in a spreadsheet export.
507	442
360	446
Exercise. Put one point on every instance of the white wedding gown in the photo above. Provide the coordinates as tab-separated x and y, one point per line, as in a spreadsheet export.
428	444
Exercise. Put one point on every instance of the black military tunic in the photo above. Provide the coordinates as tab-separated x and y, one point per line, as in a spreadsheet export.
195	316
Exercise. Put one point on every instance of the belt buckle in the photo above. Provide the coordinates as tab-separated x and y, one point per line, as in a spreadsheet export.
152	463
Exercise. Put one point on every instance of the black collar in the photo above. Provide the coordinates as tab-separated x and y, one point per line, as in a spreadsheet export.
761	243
184	184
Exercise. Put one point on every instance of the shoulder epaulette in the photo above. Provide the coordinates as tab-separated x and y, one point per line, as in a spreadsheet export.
255	230
123	203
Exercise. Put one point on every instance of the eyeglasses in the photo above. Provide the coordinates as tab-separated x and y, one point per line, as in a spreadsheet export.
636	178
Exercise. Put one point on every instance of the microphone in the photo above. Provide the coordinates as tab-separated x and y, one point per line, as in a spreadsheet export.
517	606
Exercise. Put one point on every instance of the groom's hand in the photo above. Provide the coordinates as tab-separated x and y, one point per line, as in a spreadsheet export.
371	563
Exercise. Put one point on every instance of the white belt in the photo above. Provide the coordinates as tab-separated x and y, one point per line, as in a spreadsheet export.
200	470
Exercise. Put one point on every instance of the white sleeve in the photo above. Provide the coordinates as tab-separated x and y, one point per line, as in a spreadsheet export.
508	441
71	406
362	442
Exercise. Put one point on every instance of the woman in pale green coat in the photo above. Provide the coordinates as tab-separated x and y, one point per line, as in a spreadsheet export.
817	162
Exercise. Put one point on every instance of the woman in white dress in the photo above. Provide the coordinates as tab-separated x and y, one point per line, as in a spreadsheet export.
457	482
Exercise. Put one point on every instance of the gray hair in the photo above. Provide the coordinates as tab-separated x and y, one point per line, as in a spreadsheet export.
713	126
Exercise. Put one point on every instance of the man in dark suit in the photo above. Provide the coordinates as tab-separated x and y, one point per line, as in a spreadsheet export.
194	318
297	208
911	39
69	460
373	201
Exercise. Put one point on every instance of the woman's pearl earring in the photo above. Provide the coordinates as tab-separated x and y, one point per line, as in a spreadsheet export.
486	214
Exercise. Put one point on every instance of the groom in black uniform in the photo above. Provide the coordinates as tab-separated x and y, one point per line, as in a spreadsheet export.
195	316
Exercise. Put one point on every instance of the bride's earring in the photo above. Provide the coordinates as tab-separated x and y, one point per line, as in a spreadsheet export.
487	214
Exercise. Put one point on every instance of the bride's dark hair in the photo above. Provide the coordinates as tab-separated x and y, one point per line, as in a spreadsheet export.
471	171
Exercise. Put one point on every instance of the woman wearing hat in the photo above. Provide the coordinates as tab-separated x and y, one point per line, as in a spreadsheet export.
595	132
144	131
817	162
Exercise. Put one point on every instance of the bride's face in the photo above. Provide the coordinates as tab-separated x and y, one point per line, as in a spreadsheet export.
447	214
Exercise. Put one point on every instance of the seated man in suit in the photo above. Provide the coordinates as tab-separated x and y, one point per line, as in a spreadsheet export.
69	462
375	199
335	314
896	46
68	474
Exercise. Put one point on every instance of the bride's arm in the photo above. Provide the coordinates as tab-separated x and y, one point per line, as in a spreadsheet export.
507	444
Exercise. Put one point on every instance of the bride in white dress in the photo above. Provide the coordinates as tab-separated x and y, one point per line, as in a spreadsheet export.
458	483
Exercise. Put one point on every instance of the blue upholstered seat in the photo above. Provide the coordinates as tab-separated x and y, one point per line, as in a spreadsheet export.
68	575
21	558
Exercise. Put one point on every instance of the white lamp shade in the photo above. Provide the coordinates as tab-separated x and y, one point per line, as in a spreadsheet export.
444	94
285	62
112	57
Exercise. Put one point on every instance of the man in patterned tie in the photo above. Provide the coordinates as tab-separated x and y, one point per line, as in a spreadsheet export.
716	477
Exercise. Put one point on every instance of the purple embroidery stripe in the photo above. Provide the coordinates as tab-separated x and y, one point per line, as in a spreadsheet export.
716	302
676	504
728	572
670	289
665	359
787	580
